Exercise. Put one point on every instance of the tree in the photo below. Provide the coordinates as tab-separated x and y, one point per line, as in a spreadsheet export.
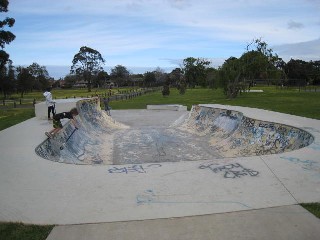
25	80
315	72
6	83
211	77
178	80
194	71
70	80
175	76
101	79
149	79
7	79
230	74
40	75
259	63
166	87
160	76
5	36
120	75
86	64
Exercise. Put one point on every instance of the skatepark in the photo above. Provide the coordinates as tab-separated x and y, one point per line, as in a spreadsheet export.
164	172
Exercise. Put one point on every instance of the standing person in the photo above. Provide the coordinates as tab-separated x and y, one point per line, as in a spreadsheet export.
106	105
50	103
57	125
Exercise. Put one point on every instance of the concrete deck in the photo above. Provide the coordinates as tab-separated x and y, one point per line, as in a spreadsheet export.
39	191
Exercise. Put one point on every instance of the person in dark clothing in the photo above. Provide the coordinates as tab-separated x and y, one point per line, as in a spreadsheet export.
106	105
57	125
50	103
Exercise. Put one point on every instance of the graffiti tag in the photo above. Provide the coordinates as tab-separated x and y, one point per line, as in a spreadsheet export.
137	168
234	170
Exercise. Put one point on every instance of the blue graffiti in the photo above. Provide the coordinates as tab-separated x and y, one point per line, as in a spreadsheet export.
307	164
315	146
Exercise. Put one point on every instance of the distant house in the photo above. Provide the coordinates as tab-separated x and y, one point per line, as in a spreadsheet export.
80	84
109	84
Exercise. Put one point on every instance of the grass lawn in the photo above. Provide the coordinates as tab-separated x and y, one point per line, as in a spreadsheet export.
306	104
12	116
66	93
312	207
291	101
19	231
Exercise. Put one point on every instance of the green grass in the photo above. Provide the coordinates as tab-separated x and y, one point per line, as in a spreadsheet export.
314	208
12	116
19	231
65	93
291	101
306	104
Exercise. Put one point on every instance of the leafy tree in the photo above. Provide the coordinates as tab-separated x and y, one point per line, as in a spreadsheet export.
160	76
70	80
211	77
315	72
120	75
259	63
149	79
40	75
5	36
296	69
25	80
6	82
87	63
230	75
166	87
100	79
7	79
175	76
178	80
194	71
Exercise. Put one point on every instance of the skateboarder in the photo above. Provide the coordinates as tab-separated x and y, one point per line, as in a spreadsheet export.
57	125
50	103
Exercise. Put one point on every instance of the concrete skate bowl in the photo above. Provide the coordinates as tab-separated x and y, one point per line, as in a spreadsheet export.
205	133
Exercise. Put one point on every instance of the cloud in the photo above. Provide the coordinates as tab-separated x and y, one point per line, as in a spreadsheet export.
307	51
146	32
295	25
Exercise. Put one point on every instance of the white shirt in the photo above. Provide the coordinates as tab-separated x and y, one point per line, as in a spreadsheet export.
48	97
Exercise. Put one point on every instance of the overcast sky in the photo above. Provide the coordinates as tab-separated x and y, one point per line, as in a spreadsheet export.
145	34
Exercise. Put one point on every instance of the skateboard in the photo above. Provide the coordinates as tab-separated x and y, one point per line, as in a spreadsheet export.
62	146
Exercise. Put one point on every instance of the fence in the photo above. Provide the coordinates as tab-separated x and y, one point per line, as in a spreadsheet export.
119	96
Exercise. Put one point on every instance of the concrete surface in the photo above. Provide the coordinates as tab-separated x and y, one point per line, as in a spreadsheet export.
242	196
289	222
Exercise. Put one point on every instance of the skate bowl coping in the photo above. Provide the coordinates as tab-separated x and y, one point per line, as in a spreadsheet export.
172	107
215	133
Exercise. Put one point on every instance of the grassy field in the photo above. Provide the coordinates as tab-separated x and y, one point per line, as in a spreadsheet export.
306	104
291	101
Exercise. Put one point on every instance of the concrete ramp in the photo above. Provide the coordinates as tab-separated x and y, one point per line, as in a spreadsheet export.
207	133
233	135
91	143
